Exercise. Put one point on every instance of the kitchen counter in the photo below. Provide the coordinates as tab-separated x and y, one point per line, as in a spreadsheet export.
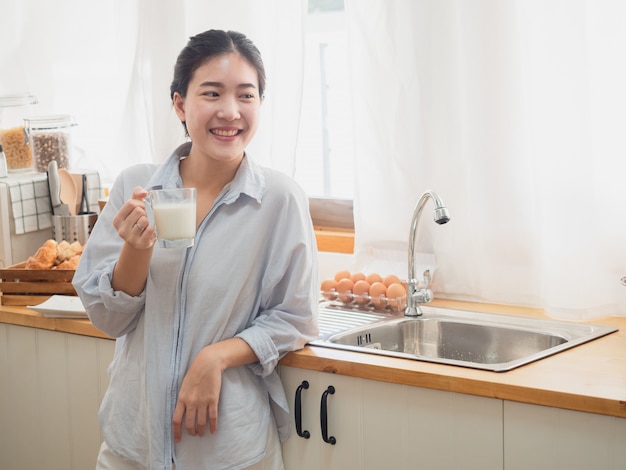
589	378
22	316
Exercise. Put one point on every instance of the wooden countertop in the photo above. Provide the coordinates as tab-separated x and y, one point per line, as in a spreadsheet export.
23	316
590	377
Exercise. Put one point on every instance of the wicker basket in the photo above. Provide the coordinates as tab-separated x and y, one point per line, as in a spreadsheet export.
21	286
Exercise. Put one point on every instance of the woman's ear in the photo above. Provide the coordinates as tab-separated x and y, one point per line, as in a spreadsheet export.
179	106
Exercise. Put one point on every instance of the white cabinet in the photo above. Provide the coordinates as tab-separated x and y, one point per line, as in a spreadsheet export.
379	425
51	385
540	437
343	421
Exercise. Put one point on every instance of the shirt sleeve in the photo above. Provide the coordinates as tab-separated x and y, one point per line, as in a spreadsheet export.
290	288
114	312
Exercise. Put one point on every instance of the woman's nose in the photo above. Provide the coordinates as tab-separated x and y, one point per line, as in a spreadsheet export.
229	109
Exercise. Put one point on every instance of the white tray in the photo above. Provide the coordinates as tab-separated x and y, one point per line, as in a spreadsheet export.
61	306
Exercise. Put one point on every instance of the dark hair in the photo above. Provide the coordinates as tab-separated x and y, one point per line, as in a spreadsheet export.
204	47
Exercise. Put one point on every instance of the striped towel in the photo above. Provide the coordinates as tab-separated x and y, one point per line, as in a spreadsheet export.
30	202
30	199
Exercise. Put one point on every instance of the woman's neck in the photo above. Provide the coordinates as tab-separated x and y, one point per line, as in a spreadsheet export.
209	178
208	175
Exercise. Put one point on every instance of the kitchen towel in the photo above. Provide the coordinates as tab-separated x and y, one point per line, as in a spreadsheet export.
30	199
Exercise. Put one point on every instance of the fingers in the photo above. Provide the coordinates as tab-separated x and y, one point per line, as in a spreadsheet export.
132	222
213	419
177	421
129	213
190	421
201	423
194	421
139	193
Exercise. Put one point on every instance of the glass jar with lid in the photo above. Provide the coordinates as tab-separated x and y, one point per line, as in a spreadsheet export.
50	139
13	110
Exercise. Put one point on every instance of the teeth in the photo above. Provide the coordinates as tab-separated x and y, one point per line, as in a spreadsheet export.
225	133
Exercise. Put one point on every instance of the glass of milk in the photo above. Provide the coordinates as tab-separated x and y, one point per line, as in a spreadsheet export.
174	216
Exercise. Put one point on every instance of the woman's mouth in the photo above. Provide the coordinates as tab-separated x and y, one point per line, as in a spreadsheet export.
225	132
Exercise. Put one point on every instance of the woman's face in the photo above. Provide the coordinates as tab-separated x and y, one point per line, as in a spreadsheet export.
221	109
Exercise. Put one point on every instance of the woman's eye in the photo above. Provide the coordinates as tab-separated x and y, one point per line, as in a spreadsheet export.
247	96
212	94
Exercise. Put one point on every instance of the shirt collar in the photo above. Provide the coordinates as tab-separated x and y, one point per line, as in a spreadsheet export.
249	179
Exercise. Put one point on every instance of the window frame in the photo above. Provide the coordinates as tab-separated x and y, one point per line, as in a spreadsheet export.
333	218
333	223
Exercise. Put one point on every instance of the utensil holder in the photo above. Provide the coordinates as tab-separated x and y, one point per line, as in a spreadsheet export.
73	227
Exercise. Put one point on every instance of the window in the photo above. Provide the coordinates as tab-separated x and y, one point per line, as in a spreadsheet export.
324	156
324	164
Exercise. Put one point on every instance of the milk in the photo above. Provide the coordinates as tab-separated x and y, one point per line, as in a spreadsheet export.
175	220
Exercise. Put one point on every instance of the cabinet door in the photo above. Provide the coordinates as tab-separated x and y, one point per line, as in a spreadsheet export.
383	425
343	421
300	452
541	437
407	427
51	385
449	430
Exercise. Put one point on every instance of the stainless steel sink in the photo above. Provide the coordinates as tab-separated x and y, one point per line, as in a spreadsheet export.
486	341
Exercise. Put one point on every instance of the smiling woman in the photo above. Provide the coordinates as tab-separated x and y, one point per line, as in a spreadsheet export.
250	220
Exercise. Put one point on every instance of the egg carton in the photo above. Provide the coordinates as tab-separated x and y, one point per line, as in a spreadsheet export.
380	303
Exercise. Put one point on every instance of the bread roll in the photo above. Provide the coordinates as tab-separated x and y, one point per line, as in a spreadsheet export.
53	255
45	256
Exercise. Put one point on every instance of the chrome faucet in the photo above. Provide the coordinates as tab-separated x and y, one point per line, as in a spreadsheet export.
416	295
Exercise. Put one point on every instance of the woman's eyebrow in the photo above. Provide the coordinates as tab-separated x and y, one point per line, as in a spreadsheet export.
221	85
213	84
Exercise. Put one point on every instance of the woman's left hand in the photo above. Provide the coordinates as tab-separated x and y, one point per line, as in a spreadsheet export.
200	391
199	396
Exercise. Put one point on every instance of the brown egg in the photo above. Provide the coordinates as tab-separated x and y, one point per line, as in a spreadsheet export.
329	289
361	291
391	279
357	277
344	288
374	277
345	274
396	296
378	292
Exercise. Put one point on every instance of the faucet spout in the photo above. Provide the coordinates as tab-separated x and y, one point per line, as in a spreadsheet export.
416	295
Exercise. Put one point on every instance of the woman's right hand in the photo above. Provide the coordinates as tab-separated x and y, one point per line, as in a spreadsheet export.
132	223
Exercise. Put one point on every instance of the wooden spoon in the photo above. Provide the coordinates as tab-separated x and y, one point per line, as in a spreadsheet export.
78	181
69	192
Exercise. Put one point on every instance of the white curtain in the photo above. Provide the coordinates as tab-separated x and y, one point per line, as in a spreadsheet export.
109	64
514	112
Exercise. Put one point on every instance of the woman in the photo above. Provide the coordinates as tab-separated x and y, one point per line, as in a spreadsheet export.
201	329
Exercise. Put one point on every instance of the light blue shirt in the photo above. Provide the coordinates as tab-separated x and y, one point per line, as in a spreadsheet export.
252	274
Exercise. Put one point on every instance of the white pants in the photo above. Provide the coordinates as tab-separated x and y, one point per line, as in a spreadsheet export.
273	459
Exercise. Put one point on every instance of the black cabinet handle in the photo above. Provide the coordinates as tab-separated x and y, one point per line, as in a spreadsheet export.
324	416
298	406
